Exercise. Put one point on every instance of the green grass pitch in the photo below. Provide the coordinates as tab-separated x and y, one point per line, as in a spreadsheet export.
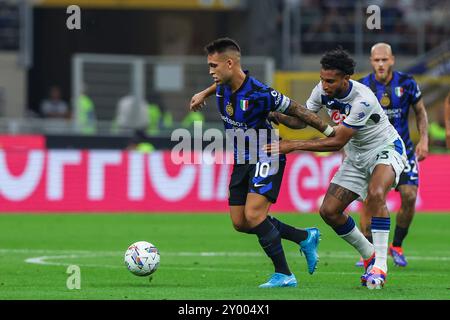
202	257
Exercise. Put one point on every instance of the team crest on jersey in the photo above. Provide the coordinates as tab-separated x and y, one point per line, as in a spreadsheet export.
399	91
347	109
385	101
244	105
229	109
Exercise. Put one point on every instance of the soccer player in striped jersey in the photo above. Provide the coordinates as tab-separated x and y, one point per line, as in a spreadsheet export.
374	159
397	93
244	105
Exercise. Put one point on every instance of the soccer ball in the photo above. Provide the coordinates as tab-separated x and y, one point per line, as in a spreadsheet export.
142	258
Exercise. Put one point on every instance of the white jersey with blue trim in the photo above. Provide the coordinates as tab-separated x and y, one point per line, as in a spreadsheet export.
358	109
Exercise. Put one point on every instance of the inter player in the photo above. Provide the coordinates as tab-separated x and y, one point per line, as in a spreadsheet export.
244	104
374	159
397	92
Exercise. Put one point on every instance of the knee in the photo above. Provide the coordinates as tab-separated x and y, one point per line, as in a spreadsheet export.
254	216
328	214
255	213
375	196
409	197
240	226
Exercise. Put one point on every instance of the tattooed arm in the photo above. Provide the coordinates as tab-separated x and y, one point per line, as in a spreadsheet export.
288	121
309	118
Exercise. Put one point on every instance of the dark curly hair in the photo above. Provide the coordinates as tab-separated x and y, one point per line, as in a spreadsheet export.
338	59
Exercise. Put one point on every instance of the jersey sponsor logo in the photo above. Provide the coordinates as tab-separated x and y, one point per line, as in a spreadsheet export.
418	93
234	123
229	109
277	96
244	105
337	117
399	91
393	113
365	104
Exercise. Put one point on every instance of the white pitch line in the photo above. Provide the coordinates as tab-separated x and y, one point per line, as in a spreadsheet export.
80	254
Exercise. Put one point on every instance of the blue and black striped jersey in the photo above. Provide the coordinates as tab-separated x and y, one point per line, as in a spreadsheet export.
247	108
396	98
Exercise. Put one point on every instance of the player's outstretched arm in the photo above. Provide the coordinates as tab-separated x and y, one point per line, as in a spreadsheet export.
198	99
335	143
288	121
422	126
309	118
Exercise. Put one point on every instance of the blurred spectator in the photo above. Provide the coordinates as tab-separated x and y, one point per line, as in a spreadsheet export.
392	17
159	117
131	116
139	142
327	23
54	106
447	120
191	117
86	117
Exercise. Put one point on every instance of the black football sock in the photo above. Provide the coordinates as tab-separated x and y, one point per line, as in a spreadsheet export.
289	232
399	236
270	240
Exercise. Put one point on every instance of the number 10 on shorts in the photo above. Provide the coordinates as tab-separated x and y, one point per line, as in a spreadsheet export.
262	169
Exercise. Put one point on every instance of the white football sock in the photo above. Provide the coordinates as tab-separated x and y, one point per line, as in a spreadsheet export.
359	242
380	242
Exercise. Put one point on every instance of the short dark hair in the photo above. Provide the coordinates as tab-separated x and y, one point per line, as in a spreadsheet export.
221	45
338	59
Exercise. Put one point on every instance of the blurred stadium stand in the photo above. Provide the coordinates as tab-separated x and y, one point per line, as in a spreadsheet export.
37	50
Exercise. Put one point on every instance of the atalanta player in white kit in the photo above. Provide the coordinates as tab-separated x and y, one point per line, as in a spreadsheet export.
374	160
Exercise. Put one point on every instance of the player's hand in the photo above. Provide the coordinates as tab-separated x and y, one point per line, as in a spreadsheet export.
279	147
198	101
273	116
421	150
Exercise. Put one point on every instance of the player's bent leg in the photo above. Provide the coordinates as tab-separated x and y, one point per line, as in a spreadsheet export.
237	215
332	211
381	181
307	239
256	209
365	227
405	216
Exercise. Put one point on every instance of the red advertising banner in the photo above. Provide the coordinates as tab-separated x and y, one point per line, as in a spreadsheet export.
42	180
